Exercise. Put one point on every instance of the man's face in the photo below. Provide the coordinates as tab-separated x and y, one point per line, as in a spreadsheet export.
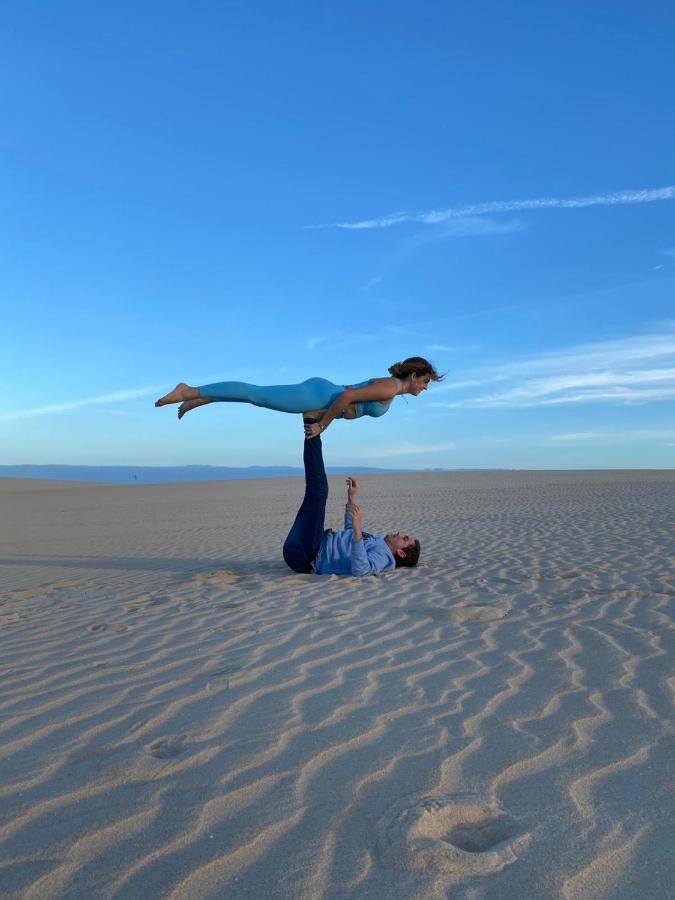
398	542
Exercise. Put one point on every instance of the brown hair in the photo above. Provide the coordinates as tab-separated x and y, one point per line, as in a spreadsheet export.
411	556
414	365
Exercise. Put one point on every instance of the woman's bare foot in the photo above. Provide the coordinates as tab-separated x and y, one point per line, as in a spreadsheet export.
187	405
181	392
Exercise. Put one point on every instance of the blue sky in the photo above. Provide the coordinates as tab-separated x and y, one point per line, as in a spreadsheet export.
267	192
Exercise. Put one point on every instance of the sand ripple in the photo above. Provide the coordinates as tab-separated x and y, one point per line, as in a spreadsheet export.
181	716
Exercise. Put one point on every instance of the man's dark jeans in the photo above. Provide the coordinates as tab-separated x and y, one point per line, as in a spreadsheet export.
304	538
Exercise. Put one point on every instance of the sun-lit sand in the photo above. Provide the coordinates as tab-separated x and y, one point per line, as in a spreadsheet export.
184	717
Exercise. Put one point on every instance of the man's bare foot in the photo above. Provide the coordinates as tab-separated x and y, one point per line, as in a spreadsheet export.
181	392
187	405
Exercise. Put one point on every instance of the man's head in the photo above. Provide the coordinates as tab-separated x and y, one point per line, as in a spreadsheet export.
406	550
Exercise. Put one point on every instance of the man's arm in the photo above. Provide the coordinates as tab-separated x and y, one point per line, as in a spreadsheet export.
355	512
352	488
360	564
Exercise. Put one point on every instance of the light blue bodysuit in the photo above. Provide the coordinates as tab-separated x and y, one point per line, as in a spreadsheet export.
315	393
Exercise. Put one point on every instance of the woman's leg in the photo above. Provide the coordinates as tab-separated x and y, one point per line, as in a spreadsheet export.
313	394
304	538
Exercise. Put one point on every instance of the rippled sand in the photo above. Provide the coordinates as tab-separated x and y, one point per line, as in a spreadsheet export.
183	717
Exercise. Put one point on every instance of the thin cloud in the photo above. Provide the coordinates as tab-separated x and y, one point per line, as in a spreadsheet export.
404	330
636	434
459	228
344	340
70	405
575	436
595	356
561	388
609	395
375	280
637	369
314	342
434	217
602	354
453	348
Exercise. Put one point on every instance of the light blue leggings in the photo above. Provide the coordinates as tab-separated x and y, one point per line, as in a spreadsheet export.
315	393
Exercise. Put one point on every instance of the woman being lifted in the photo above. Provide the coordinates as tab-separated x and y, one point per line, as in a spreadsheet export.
316	398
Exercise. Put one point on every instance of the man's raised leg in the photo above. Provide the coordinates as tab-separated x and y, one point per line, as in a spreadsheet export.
304	538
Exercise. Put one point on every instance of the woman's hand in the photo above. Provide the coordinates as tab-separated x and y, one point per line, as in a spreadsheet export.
352	488
313	429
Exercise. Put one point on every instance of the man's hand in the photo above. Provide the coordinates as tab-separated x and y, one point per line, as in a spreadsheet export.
352	488
355	512
313	429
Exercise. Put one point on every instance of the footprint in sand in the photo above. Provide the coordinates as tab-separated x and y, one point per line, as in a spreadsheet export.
469	613
461	834
329	614
109	626
555	576
476	581
541	608
477	612
218	579
42	591
221	677
165	747
145	601
241	631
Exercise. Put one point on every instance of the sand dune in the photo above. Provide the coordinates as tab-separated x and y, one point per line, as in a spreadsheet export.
183	717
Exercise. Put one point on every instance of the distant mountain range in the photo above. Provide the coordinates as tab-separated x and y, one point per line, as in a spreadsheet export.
166	474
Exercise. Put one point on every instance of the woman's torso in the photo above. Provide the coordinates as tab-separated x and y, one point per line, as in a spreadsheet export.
373	408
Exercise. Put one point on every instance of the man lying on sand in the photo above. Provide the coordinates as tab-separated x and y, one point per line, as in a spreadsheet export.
349	552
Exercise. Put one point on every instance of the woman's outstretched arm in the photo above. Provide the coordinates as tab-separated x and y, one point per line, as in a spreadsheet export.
382	389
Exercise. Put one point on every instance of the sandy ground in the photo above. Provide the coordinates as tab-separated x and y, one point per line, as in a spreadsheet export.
183	717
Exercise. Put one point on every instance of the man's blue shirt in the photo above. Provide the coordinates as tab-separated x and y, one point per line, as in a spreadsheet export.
340	554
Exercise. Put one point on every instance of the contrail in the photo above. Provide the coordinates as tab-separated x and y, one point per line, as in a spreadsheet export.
69	405
434	216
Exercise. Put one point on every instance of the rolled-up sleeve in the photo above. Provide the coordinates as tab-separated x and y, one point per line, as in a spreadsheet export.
361	563
370	558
